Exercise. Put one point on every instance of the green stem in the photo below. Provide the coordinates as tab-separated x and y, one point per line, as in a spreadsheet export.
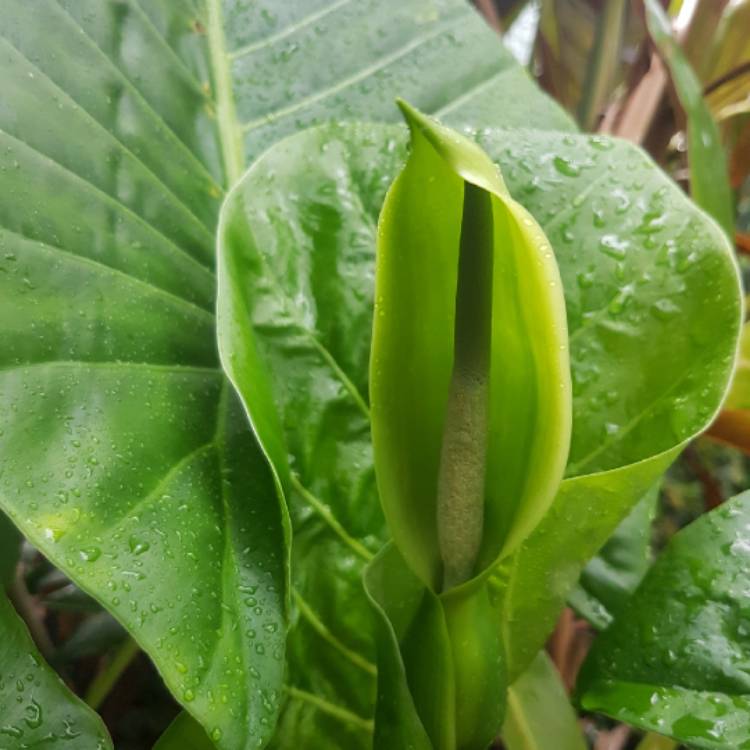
229	132
103	683
463	458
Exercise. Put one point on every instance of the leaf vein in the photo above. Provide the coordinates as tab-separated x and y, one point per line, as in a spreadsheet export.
117	204
149	107
74	257
288	31
351	80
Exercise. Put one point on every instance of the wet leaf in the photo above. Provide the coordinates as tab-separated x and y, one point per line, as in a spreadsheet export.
637	259
125	457
36	708
677	664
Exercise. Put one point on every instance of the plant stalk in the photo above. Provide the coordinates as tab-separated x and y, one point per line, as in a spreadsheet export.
103	683
604	61
460	500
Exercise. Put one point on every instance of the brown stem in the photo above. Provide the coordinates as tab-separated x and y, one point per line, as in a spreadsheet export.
31	612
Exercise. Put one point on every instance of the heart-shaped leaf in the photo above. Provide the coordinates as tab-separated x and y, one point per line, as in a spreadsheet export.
677	664
636	258
125	456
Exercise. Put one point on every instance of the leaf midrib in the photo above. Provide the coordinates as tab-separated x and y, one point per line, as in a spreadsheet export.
230	135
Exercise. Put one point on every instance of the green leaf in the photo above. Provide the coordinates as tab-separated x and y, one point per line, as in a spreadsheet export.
677	664
636	260
35	705
125	458
433	407
184	733
709	177
302	62
630	248
614	573
539	712
416	703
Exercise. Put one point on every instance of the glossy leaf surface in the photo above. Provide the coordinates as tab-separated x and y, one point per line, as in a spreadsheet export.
125	457
540	715
295	64
677	664
637	261
420	385
36	708
709	177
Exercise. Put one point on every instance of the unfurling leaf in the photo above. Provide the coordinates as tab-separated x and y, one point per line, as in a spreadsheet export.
469	379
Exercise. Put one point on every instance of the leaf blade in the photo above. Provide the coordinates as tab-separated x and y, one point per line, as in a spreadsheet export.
36	705
675	665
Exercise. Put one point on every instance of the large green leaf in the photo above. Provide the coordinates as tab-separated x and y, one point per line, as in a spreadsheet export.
677	664
540	715
293	64
637	261
36	708
125	456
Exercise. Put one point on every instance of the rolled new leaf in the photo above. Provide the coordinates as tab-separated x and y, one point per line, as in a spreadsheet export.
469	382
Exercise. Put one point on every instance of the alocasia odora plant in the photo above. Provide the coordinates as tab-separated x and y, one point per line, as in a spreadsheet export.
471	402
126	456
